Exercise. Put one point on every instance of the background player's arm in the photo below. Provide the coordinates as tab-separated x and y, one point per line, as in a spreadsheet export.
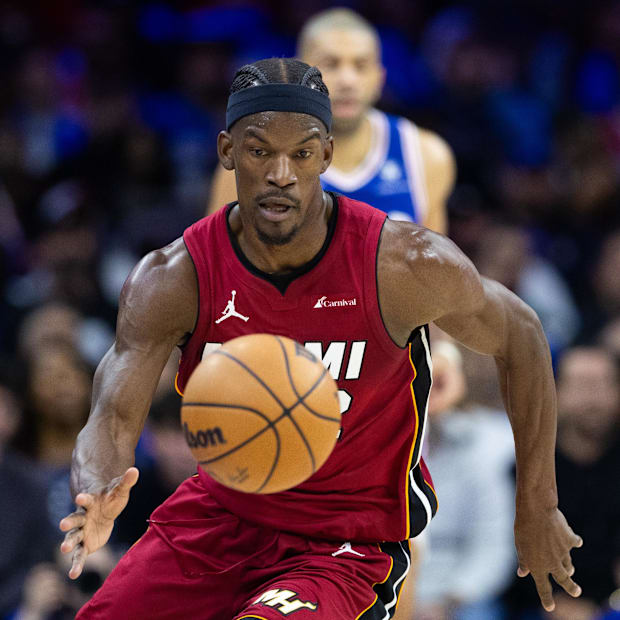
440	175
223	189
424	277
157	310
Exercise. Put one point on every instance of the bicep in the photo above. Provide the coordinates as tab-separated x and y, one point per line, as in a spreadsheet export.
156	311
223	189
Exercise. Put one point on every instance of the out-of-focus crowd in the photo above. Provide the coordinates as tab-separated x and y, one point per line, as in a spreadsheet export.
108	118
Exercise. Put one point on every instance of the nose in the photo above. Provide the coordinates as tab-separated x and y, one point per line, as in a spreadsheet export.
346	76
281	172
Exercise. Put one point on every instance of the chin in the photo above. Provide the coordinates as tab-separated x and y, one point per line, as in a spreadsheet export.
279	238
347	124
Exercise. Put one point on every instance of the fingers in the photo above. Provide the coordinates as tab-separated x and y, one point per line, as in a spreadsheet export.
578	541
522	571
79	557
121	486
130	477
72	539
72	521
85	500
567	564
564	580
543	587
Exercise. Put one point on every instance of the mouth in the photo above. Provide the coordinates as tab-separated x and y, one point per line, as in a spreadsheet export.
275	209
346	105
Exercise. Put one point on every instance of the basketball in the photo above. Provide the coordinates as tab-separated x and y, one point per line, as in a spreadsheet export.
261	413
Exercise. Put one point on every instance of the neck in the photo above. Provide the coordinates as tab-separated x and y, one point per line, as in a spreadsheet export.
301	249
353	145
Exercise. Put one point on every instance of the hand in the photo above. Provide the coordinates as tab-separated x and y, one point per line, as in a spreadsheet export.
544	539
90	526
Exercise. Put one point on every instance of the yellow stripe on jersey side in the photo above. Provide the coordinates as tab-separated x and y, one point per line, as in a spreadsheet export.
413	444
376	584
430	486
176	385
251	616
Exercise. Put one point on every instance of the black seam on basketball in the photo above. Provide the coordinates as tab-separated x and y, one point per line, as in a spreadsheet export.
251	373
290	379
270	424
301	399
274	464
303	403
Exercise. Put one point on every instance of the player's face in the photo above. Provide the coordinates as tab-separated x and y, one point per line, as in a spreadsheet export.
277	158
352	71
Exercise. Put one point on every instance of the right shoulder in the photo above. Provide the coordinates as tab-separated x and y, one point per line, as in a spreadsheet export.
160	295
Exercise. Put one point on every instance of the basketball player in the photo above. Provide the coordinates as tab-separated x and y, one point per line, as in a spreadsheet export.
383	160
333	546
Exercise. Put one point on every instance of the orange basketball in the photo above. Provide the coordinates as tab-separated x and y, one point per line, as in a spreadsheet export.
261	413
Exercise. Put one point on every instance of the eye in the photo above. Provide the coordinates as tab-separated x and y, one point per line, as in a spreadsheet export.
257	152
304	154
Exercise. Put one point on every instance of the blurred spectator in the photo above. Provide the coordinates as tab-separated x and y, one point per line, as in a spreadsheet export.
471	552
606	277
609	338
50	595
171	463
26	535
587	465
57	403
505	254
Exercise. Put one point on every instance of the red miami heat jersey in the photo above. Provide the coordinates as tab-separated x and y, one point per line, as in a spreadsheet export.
374	486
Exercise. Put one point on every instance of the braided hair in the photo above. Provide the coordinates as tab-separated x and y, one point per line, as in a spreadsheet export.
278	71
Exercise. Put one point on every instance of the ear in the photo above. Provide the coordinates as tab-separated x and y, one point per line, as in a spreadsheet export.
224	150
328	153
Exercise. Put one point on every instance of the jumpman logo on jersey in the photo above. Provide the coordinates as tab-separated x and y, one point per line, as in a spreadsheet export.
229	310
346	548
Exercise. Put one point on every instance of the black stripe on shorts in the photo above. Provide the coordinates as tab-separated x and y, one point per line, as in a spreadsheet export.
387	592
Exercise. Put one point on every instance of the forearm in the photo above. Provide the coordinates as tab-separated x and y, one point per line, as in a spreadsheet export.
528	388
121	399
103	451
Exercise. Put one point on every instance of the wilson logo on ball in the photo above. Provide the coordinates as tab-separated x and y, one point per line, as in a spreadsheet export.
208	437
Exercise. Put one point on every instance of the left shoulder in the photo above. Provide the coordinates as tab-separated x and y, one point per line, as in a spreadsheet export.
436	153
415	263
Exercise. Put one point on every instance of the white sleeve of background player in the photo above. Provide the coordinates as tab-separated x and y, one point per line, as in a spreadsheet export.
488	560
414	165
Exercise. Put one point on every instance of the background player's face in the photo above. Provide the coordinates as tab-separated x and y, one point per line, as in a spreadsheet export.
277	158
352	71
588	391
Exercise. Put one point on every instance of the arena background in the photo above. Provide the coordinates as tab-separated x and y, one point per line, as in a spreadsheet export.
109	113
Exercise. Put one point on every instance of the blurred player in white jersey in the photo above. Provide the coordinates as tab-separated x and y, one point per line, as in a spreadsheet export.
380	159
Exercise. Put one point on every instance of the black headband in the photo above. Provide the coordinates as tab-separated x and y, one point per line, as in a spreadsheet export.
279	98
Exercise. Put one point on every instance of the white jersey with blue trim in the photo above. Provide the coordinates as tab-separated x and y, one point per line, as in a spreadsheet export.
391	176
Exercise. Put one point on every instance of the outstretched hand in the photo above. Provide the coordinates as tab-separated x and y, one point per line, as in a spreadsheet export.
544	541
89	527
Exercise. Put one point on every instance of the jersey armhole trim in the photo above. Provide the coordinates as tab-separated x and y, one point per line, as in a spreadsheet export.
371	288
197	321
